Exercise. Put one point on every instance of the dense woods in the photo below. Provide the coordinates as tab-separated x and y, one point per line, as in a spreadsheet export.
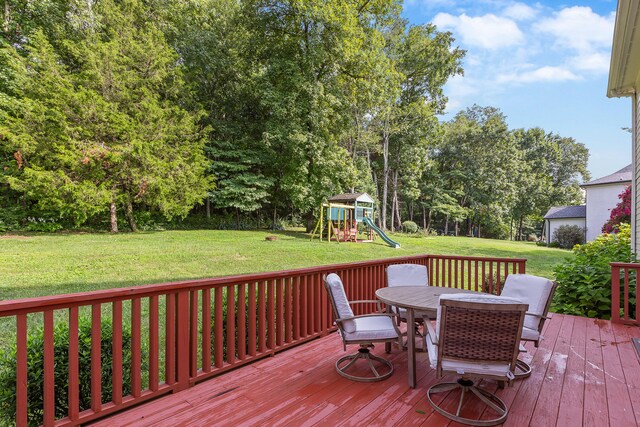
157	110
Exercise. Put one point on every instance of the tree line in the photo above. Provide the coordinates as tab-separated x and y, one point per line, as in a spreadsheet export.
111	109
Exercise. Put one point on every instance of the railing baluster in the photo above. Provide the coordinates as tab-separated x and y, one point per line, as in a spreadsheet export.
304	303
96	367
218	336
271	327
193	334
21	374
279	312
206	330
136	348
116	348
182	340
242	322
296	308
252	319
170	339
154	342
74	366
288	313
49	380
231	325
262	314
626	294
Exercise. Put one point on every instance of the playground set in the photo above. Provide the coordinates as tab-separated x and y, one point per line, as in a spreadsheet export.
340	216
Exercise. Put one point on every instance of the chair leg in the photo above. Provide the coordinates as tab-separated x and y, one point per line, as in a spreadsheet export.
523	370
368	358
465	386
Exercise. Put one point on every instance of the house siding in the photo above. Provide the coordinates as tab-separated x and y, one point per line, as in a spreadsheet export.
554	223
600	200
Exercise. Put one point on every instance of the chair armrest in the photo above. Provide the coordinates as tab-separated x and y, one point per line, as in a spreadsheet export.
539	316
431	331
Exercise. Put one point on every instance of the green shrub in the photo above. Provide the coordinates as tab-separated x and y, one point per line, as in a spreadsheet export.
409	227
584	281
35	370
567	236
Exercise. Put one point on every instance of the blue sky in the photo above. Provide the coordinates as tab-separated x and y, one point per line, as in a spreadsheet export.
542	63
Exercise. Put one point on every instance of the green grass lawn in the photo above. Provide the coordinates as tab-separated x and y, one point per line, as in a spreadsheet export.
46	264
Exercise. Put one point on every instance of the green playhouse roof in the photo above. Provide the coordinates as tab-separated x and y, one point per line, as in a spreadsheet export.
351	197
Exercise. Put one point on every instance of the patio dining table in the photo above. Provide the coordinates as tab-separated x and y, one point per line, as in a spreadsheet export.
421	299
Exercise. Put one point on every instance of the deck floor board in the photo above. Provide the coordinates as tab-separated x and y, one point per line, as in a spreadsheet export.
585	372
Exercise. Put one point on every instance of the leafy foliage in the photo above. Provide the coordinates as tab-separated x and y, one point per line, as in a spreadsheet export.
620	214
35	369
567	236
409	227
584	281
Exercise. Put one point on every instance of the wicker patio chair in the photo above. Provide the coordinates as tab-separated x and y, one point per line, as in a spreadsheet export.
538	293
407	275
477	338
363	330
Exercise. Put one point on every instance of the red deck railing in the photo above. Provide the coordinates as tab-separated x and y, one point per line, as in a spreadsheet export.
624	293
185	332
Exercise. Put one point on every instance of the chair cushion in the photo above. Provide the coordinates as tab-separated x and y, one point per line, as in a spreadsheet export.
340	299
407	275
371	328
529	334
487	368
532	290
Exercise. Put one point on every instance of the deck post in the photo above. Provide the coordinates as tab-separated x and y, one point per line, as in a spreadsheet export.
615	294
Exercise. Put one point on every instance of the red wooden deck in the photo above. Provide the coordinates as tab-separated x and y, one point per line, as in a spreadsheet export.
585	373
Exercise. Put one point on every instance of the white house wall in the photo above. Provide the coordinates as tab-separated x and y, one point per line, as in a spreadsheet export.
555	223
600	200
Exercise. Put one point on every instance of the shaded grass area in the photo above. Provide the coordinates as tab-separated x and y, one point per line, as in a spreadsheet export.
46	264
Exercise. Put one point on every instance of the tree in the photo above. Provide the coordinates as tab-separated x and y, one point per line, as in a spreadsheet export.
106	131
478	160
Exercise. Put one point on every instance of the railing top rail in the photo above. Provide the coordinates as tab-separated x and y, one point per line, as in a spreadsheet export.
54	302
625	264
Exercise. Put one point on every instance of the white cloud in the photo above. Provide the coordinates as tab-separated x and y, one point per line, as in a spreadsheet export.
520	12
488	31
542	74
598	62
579	28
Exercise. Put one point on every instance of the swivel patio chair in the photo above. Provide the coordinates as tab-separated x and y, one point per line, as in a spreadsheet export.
538	293
476	337
407	275
363	330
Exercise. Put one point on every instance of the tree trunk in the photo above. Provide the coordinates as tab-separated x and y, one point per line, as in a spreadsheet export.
428	227
275	213
455	227
132	221
478	230
310	222
207	205
113	217
6	18
237	219
520	227
396	202
511	230
424	219
385	179
446	226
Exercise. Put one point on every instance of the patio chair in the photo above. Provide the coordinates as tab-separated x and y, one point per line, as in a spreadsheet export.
407	275
477	338
363	330
537	292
